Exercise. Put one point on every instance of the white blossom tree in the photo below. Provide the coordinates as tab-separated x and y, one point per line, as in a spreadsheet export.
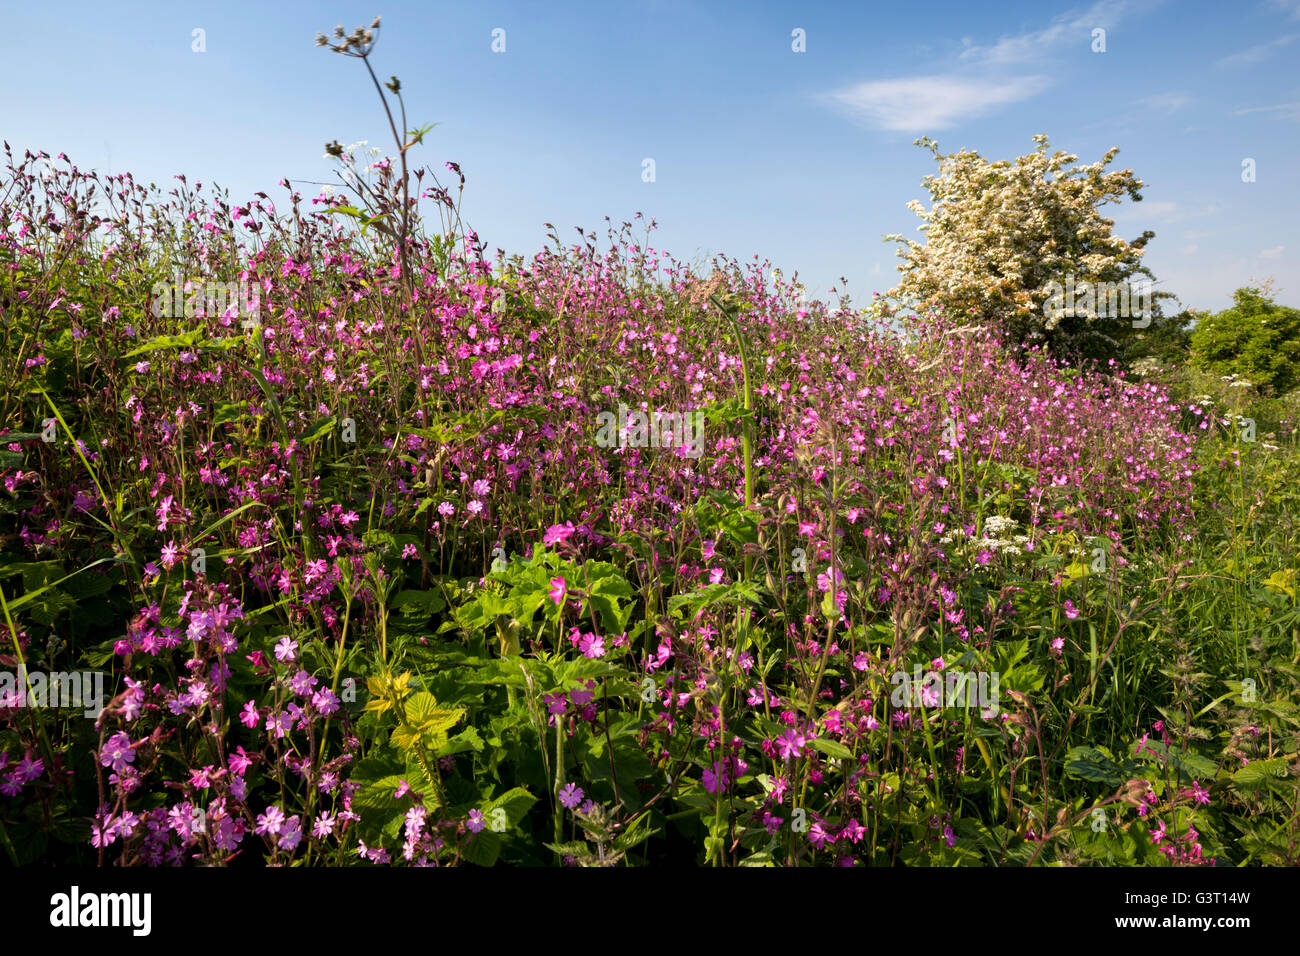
1000	233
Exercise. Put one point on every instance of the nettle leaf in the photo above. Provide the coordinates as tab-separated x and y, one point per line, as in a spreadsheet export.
382	689
711	594
1191	765
1259	774
575	848
638	831
1027	678
1075	570
526	606
1094	764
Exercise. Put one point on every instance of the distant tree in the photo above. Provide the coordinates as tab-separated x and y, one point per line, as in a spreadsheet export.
1000	234
1255	339
1166	341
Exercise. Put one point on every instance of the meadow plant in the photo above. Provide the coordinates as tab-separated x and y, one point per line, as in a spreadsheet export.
367	586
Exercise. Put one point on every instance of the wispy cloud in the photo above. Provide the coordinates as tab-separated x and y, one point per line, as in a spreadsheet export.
983	77
1259	52
922	103
1166	102
1069	27
1166	211
1147	209
1274	253
1289	7
1286	111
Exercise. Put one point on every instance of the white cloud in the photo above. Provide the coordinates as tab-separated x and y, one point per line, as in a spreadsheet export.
1069	27
1190	250
1286	111
1146	209
1260	52
1166	211
1274	253
924	103
989	75
1165	102
1290	7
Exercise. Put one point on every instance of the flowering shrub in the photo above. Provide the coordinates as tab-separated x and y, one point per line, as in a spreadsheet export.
1002	237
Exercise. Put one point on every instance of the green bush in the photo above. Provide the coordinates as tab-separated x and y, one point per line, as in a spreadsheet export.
1256	339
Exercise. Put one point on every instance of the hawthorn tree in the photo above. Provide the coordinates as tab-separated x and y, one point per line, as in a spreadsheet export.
999	233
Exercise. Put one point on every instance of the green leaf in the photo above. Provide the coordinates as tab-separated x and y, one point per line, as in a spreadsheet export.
741	527
188	339
374	802
427	723
516	803
574	848
467	739
483	848
1262	773
320	430
423	712
1095	764
832	748
422	602
32	595
636	832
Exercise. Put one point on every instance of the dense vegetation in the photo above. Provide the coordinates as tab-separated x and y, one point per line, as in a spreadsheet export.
367	584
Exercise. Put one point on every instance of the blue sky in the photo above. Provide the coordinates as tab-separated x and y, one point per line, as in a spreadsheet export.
802	158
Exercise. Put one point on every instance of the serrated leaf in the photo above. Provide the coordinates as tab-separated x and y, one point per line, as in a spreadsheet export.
515	802
467	739
1262	773
1090	763
422	711
575	848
